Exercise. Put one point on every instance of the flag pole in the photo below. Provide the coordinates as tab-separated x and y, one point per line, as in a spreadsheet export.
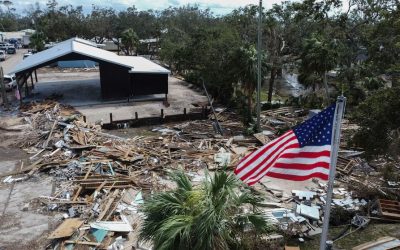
259	31
337	120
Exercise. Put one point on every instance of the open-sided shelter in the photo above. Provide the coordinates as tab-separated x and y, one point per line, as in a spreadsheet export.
120	76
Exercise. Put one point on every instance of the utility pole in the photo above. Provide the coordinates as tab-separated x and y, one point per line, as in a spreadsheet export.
259	67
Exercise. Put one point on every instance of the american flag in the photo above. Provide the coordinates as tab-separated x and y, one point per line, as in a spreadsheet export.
299	154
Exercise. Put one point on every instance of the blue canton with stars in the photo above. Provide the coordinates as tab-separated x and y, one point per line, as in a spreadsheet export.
316	131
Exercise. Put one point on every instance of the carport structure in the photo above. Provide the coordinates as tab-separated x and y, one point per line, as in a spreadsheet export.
120	76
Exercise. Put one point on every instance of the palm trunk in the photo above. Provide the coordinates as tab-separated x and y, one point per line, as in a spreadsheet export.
250	104
326	88
271	84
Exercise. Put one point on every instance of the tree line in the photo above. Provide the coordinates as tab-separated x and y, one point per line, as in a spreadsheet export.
358	42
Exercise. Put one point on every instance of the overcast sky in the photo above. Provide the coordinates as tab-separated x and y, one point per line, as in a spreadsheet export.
217	6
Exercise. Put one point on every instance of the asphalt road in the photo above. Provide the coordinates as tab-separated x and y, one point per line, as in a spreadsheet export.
12	60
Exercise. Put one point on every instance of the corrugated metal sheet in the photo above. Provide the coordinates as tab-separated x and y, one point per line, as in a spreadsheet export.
85	48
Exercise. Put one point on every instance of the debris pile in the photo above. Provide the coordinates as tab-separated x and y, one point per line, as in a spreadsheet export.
102	179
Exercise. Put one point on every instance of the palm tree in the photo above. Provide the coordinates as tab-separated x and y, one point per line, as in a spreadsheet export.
130	41
318	57
208	216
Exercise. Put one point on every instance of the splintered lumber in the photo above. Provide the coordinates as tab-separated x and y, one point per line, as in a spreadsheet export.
66	229
51	132
344	165
389	209
80	187
262	138
108	204
35	166
381	243
89	243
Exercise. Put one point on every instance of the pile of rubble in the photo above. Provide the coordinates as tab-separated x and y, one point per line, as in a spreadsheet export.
102	179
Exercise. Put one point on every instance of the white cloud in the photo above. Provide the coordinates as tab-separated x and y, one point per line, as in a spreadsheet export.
217	6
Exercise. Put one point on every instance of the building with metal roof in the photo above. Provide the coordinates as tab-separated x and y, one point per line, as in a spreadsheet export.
120	76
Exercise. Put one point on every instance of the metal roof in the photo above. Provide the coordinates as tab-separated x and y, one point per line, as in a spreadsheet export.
83	47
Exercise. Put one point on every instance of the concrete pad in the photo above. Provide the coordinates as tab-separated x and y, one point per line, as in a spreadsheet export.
18	226
82	91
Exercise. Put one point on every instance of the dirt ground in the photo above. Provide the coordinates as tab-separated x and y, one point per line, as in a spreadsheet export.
18	224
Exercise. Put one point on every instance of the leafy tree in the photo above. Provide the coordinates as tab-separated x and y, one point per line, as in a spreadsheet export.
209	216
38	41
244	68
379	120
129	41
101	24
275	45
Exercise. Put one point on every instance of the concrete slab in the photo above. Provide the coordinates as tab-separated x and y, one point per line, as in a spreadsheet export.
82	90
16	226
307	211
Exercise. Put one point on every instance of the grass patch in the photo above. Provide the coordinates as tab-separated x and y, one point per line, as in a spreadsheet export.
372	232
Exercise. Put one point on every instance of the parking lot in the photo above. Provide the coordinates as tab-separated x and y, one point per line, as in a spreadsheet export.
12	60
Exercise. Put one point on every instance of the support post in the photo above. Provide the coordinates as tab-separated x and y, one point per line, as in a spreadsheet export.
19	77
136	116
3	89
111	118
259	67
184	111
26	85
337	120
33	86
36	76
162	113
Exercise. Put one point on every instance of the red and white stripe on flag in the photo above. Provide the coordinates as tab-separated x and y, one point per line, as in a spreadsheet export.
300	154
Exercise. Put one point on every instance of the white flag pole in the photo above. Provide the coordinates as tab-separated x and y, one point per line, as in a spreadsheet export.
337	120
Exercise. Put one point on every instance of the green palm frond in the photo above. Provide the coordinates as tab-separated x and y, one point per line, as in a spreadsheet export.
209	216
174	233
182	180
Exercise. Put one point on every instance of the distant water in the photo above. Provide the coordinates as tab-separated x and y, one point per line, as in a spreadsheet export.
288	85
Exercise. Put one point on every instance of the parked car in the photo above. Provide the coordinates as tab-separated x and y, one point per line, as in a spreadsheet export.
9	82
5	46
2	55
26	55
11	50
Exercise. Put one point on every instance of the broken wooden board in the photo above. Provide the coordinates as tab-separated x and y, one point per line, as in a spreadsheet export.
262	138
389	209
66	229
380	244
292	248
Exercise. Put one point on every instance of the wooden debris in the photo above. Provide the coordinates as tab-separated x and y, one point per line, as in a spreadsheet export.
389	209
66	229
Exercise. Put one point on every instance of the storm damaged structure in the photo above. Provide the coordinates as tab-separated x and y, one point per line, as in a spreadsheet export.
120	76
